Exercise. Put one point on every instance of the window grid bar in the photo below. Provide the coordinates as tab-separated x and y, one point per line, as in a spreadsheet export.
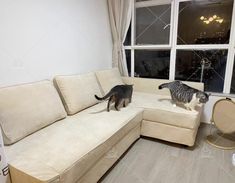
230	58
181	47
133	32
175	6
171	22
143	4
148	47
203	47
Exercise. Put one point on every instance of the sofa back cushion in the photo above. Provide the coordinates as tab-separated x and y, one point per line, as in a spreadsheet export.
27	108
108	79
77	91
151	85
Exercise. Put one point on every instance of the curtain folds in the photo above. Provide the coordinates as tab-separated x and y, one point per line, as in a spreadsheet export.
120	17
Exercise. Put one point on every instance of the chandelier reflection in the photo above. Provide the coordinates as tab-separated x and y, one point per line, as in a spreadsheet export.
212	19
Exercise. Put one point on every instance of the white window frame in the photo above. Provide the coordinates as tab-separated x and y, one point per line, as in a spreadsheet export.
231	53
173	47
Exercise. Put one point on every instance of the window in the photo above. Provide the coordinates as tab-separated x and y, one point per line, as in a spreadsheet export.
152	24
152	64
128	61
204	22
128	37
232	90
184	40
202	66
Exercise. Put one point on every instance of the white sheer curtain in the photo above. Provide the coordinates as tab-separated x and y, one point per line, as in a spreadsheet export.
120	17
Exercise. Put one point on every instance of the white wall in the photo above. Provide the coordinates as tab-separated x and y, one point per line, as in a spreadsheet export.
43	38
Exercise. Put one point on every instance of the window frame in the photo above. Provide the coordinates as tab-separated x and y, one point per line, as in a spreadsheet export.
231	54
173	46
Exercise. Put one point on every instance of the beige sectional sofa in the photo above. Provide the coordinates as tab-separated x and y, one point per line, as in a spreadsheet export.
66	136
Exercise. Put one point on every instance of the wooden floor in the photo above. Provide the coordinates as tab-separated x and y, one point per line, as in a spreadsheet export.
154	161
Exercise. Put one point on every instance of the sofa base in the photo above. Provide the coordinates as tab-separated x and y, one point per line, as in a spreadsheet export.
169	133
107	161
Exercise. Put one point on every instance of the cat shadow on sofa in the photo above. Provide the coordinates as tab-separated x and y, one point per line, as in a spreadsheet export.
170	101
103	110
181	105
166	99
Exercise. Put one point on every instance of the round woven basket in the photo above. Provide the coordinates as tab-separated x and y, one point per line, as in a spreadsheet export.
223	116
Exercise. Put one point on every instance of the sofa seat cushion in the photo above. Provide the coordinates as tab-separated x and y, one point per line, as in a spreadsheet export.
67	149
77	91
158	108
27	108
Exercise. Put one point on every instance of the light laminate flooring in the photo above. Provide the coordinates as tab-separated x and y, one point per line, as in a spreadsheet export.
155	161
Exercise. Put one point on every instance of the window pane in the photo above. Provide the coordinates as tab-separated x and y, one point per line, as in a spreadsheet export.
153	24
152	64
127	41
233	80
206	66
128	61
204	22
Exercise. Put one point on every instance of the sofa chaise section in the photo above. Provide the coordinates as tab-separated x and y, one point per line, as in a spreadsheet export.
161	119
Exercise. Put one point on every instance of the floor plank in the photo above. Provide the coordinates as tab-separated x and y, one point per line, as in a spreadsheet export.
151	161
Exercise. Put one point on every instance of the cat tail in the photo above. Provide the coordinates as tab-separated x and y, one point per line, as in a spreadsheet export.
164	85
106	96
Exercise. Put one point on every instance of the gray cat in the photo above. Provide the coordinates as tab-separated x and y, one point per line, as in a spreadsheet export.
121	95
182	93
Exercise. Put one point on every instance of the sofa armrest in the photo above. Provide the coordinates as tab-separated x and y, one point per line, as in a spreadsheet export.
151	85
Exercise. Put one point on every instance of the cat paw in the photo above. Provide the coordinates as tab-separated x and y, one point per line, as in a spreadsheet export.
174	105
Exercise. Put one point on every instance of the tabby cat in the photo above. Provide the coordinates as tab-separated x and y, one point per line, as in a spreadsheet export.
182	93
121	95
